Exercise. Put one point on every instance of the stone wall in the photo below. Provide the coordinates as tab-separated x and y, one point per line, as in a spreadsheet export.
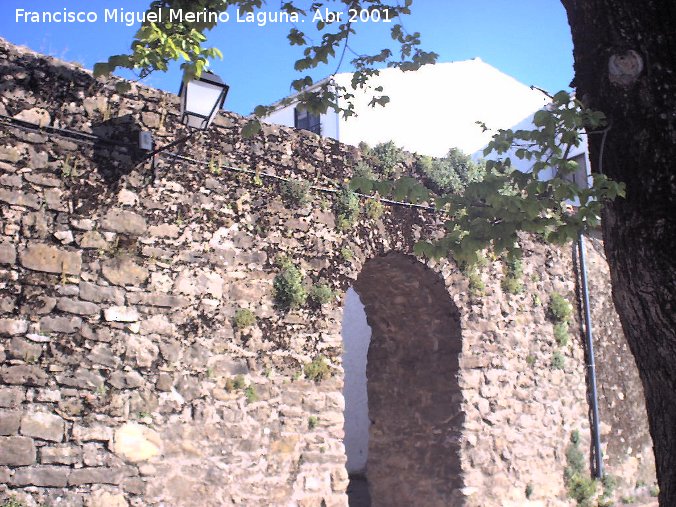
125	380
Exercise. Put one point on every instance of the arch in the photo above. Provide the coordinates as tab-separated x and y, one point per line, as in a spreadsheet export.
414	400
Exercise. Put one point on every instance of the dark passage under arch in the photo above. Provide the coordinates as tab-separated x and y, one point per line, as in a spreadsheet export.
414	401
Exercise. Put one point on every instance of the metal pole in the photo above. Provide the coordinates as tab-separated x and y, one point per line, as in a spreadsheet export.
591	366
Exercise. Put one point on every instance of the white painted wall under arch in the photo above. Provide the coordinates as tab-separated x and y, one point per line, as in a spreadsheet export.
356	339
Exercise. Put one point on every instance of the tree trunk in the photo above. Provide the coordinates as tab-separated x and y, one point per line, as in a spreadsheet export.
625	66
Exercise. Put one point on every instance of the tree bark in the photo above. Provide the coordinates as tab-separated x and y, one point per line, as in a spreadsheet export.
639	100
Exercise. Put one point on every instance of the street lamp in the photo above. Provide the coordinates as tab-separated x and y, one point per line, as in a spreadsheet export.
201	98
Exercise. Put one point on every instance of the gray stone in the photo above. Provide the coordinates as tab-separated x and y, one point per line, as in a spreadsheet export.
11	397
43	257
101	294
60	324
53	199
43	425
60	455
23	374
35	115
124	271
11	180
99	475
43	476
126	222
92	239
141	351
9	422
13	327
17	198
92	433
82	379
78	307
65	237
158	324
102	354
4	475
156	299
164	231
121	314
42	180
24	350
10	153
7	253
17	451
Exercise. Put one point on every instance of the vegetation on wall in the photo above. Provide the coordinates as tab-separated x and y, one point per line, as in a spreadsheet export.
295	193
288	288
452	173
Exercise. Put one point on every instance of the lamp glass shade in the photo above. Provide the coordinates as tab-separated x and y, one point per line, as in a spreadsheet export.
201	99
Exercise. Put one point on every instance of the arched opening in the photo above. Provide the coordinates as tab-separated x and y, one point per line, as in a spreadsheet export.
403	414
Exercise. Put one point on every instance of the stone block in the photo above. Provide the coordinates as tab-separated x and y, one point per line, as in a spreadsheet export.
124	271
141	351
107	499
126	222
60	324
121	314
35	115
100	294
12	327
43	425
17	451
99	475
60	455
50	259
7	253
77	307
135	443
11	397
42	476
24	350
23	374
92	433
92	239
18	198
164	231
9	422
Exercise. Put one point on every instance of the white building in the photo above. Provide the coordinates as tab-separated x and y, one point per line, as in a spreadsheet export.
430	110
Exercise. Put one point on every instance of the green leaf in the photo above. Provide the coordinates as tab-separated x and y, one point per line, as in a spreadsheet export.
251	128
122	87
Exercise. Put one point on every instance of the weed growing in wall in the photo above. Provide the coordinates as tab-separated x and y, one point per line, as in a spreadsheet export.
561	333
321	294
512	283
288	286
560	310
317	370
477	287
346	208
244	318
251	394
579	485
374	209
346	254
558	361
295	193
312	422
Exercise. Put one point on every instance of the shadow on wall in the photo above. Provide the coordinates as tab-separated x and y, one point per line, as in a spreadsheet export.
117	153
414	400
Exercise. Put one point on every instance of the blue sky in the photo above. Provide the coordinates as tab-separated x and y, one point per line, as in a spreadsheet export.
527	39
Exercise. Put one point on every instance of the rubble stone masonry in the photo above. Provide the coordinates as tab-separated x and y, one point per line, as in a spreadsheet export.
124	379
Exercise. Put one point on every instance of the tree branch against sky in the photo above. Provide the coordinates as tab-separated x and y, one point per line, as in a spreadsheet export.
624	57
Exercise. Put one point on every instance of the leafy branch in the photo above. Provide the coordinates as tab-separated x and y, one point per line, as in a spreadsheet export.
490	213
155	45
